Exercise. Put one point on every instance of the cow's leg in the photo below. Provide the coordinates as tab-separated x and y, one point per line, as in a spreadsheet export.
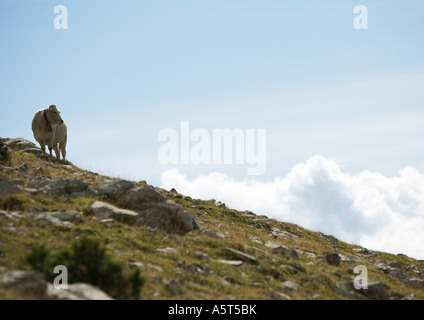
56	151
62	147
42	145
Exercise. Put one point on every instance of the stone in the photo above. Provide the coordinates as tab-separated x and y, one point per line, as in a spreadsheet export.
381	265
167	250
8	187
114	189
286	252
36	151
105	210
290	286
212	233
26	283
46	216
332	258
279	296
67	215
20	144
235	263
415	283
239	255
75	185
156	211
174	287
48	186
77	291
376	290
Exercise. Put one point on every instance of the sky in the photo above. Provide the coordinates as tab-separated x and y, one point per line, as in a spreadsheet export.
145	88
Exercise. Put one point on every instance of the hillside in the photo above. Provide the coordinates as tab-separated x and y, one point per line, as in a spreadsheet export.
184	248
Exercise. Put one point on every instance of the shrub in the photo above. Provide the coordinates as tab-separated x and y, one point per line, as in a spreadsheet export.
5	156
87	261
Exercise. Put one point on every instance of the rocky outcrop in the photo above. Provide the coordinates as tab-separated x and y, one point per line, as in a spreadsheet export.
156	211
31	285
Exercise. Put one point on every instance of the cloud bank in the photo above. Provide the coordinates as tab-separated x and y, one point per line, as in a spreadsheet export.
366	208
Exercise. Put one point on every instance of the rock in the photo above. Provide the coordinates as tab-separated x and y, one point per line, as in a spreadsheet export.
167	250
397	274
48	186
113	190
381	265
235	263
105	210
290	286
20	144
157	211
396	264
212	233
37	151
286	252
29	284
137	264
409	297
75	185
346	289
194	268
46	216
141	198
8	187
376	290
332	258
365	251
415	283
67	215
174	287
77	291
279	296
236	254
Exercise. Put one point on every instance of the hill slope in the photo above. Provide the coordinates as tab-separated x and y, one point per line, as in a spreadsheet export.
185	248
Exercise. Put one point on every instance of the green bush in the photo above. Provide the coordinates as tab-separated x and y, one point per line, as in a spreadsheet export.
87	261
5	156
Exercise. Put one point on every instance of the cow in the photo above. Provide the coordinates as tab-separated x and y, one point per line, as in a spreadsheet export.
50	130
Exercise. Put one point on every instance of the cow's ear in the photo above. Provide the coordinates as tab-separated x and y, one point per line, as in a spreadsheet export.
52	106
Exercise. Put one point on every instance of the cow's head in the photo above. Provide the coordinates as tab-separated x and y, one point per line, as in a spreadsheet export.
53	115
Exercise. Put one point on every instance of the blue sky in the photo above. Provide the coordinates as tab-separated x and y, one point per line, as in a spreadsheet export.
125	70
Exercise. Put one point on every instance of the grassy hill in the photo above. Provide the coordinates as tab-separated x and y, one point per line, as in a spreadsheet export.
231	255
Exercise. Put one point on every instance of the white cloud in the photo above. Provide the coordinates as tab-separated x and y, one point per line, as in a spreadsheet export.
366	208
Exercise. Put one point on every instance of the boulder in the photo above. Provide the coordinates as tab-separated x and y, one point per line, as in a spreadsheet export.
114	189
105	210
8	187
376	290
19	144
332	258
239	255
76	186
156	211
290	286
77	291
27	284
286	252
